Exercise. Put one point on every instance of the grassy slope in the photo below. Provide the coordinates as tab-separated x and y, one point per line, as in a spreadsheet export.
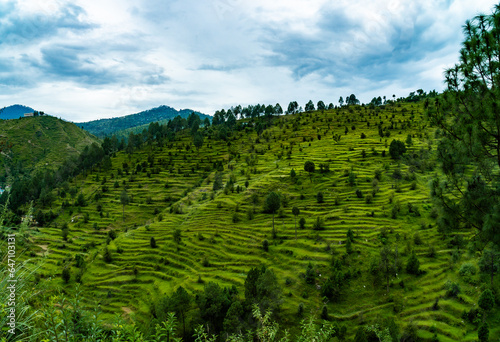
42	141
208	231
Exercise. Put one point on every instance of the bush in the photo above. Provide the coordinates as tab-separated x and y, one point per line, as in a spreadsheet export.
79	261
483	333
467	270
417	240
250	214
66	275
320	197
265	245
368	199
486	300
107	255
310	276
359	193
452	289
300	310
80	200
152	242
413	265
302	223
236	218
397	149
318	224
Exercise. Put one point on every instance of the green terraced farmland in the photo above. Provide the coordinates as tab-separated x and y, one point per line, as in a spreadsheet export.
383	203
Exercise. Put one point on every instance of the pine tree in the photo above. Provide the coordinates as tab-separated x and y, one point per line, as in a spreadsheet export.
468	116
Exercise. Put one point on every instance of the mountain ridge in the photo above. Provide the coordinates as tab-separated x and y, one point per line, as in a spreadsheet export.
14	112
108	126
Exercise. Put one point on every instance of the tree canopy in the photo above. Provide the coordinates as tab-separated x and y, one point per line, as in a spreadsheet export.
468	116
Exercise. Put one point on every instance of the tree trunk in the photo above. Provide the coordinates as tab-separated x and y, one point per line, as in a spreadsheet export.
295	227
274	232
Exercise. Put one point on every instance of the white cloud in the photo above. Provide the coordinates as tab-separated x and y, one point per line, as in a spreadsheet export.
91	58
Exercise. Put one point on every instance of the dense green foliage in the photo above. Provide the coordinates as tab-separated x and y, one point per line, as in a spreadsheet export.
468	116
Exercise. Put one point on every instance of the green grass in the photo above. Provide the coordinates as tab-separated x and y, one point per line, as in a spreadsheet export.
216	249
40	142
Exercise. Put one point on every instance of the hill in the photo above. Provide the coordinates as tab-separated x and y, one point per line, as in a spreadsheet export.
106	127
14	112
42	142
167	215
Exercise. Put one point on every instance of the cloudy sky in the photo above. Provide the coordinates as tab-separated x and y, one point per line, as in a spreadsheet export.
88	59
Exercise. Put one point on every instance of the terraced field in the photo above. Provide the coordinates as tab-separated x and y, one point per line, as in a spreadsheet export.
222	232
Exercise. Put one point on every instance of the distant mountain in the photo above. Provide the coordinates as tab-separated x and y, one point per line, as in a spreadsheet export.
104	127
14	112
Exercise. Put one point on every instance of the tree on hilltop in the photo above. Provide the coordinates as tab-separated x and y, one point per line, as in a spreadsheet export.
309	106
321	105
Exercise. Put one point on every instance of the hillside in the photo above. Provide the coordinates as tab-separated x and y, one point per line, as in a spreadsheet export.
14	112
204	209
106	127
35	143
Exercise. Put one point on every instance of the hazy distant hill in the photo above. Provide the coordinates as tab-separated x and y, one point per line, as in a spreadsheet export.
14	112
32	143
105	127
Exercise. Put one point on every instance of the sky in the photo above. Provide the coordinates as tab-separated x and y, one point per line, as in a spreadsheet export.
90	59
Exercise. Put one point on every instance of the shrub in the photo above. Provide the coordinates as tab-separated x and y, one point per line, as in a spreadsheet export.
486	300
467	270
483	333
320	197
318	224
452	289
413	265
324	313
310	276
176	234
302	223
236	218
152	242
79	261
80	200
265	245
205	262
413	185
368	199
359	193
300	310
348	246
250	214
66	275
417	240
107	255
397	149
65	231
